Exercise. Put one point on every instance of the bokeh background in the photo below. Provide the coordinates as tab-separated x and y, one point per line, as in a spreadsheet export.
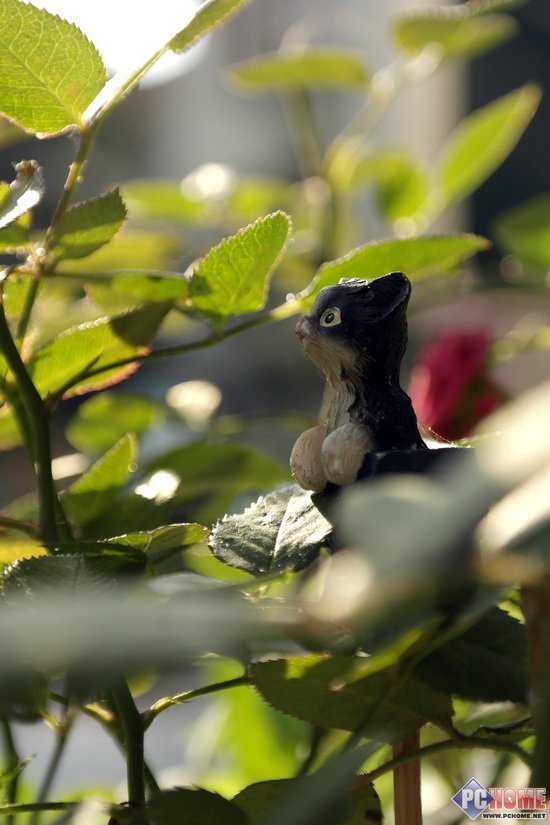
187	116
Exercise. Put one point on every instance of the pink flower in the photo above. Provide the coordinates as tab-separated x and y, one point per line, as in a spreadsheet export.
450	385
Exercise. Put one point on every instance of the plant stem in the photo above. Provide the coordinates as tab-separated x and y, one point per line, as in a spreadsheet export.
180	698
133	731
279	313
10	810
297	105
38	420
460	743
30	298
317	737
12	762
26	527
74	177
63	731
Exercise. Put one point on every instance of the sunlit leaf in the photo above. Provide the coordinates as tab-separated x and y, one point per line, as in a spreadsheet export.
337	691
63	362
50	70
483	140
362	803
525	231
103	419
417	257
210	15
316	67
283	530
453	29
233	278
96	490
89	225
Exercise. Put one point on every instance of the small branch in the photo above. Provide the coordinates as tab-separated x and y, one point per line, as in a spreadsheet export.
10	810
297	105
38	421
30	298
74	177
181	698
133	731
63	730
12	762
460	743
26	527
277	314
317	737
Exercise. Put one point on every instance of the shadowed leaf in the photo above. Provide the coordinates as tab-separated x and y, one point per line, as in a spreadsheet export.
96	490
89	225
338	692
62	362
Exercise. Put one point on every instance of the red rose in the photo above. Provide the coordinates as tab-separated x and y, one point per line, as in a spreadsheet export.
450	386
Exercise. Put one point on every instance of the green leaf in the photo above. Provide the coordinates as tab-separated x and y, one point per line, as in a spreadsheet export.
487	663
283	530
163	545
50	70
63	363
210	15
9	431
130	250
338	691
51	575
185	806
454	30
103	419
400	182
417	257
363	804
233	278
525	231
97	489
484	140
89	225
22	194
218	473
129	290
324	67
162	200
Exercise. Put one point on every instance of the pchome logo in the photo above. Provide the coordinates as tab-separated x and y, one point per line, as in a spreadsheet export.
473	798
497	803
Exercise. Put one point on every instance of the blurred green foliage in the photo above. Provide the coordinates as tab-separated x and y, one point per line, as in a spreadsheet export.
121	572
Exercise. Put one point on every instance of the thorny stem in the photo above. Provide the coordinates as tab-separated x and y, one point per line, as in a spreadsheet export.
38	421
133	730
407	797
180	698
12	762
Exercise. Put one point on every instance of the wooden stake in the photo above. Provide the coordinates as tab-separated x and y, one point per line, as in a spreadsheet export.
406	784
